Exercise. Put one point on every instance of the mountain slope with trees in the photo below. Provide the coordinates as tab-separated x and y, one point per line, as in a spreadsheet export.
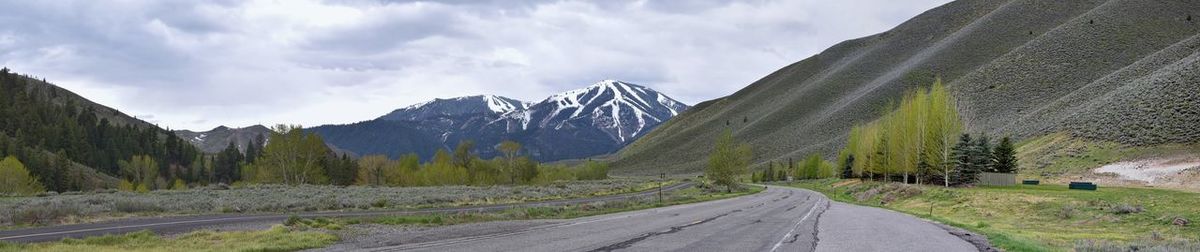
1018	69
69	143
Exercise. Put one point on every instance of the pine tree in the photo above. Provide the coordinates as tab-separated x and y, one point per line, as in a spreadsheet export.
983	154
228	163
966	169
340	170
848	167
1006	157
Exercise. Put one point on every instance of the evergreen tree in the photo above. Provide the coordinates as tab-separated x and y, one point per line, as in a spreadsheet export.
983	154
966	169
228	163
340	170
848	167
1006	157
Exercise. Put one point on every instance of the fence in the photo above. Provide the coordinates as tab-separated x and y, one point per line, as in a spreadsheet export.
997	179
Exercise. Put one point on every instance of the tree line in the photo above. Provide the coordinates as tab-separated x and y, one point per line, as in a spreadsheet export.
920	140
464	167
295	156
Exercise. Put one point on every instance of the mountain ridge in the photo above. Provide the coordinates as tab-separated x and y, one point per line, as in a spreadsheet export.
597	119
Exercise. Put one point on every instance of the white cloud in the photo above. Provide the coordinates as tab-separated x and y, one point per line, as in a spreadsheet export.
199	65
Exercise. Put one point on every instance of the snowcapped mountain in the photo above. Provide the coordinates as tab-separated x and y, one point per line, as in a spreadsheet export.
595	120
470	105
622	110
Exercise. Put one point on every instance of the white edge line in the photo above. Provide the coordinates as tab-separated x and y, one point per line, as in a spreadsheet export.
793	230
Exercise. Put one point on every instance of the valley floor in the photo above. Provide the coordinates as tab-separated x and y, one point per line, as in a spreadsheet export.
774	219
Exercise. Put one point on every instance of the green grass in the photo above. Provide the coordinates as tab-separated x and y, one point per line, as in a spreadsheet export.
278	238
1035	218
683	196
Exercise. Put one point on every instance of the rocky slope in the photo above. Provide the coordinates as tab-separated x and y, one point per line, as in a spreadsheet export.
595	120
1118	70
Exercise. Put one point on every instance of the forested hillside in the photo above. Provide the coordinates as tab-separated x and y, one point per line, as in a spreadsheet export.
64	139
1109	70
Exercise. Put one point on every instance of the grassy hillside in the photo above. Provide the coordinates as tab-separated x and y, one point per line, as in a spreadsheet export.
1121	71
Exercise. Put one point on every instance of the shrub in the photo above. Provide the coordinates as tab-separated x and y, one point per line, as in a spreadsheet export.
135	206
1126	209
1067	212
380	203
292	220
44	213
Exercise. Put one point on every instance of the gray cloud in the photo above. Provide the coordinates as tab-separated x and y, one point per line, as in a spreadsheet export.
197	65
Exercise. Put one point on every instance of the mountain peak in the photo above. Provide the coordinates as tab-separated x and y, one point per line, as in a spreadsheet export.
457	106
623	110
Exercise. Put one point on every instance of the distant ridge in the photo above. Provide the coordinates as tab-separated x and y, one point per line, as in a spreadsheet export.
218	138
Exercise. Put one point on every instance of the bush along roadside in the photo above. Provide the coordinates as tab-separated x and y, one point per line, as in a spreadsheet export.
1041	217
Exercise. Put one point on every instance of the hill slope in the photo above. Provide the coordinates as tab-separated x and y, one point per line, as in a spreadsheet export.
70	143
1021	68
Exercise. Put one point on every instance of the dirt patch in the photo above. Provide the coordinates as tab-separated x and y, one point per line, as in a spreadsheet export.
1180	172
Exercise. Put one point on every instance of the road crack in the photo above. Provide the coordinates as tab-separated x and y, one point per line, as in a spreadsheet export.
629	243
817	226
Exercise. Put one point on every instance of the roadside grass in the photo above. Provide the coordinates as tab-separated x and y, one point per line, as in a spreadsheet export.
678	197
278	238
1039	218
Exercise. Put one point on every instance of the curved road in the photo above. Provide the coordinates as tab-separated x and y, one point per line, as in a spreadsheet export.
183	224
779	219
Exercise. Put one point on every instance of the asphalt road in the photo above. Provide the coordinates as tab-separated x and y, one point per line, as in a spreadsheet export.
779	219
183	224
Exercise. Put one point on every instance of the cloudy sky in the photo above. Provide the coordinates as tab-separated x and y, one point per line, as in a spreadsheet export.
197	65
